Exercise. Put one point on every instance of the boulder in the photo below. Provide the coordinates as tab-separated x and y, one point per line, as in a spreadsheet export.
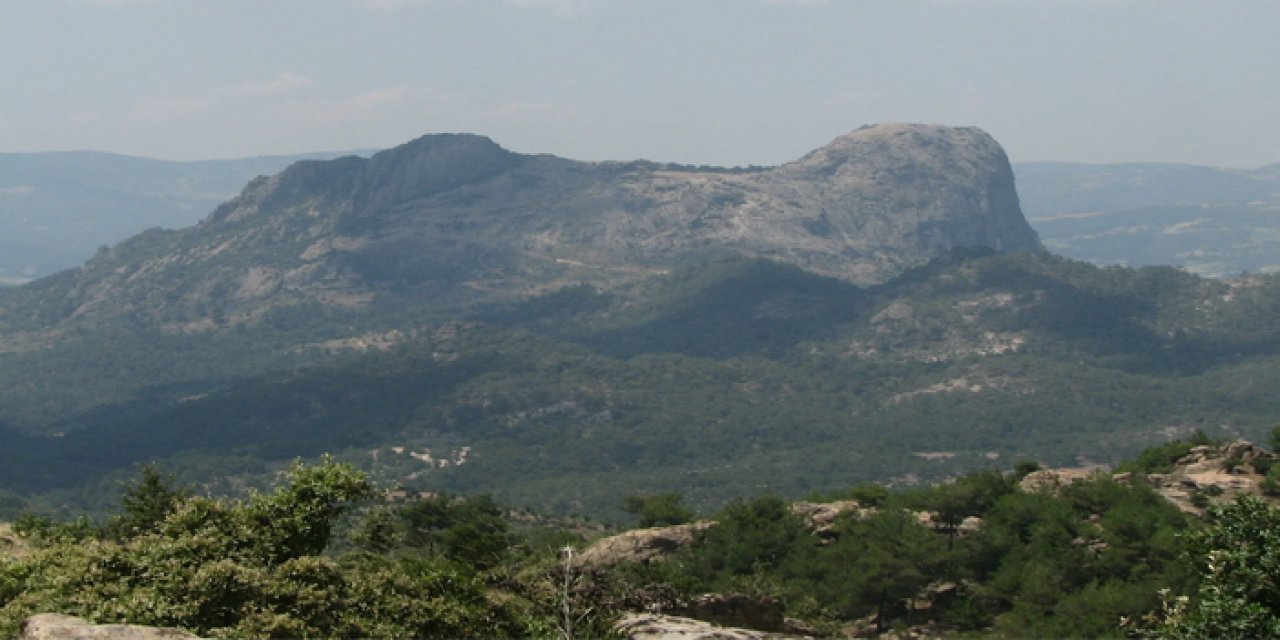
648	626
821	516
641	545
1053	480
55	626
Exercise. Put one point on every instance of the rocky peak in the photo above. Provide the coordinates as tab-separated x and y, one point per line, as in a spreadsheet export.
411	171
940	187
879	147
428	165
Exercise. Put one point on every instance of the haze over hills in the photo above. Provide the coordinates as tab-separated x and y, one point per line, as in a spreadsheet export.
454	315
57	208
1212	221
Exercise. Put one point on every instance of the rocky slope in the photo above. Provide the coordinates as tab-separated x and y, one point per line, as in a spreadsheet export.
456	218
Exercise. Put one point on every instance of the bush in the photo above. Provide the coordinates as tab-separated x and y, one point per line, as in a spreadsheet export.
659	510
250	569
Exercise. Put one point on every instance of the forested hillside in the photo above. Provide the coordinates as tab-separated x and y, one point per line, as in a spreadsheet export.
706	381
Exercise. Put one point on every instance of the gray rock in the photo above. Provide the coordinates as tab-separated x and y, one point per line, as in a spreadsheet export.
648	626
641	545
56	626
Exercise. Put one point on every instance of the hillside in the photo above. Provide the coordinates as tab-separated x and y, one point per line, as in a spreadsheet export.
716	377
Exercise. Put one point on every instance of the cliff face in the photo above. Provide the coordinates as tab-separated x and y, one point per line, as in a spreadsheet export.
460	218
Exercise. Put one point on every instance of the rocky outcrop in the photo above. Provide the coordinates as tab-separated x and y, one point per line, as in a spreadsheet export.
1209	474
461	217
821	516
641	545
54	626
1053	480
648	626
1206	474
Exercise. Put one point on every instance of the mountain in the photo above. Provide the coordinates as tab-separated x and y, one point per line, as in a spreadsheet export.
1212	221
57	208
459	220
453	315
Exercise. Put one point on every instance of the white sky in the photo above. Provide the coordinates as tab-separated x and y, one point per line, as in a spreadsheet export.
726	82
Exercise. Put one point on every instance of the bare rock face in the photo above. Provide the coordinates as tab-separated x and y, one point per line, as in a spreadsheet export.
1053	480
55	626
457	217
1207	474
821	515
648	626
641	545
1211	474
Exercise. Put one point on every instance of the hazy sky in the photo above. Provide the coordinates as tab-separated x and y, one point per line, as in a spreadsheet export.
728	82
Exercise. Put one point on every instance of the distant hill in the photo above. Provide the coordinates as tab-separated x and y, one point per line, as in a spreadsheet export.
1212	221
57	208
459	220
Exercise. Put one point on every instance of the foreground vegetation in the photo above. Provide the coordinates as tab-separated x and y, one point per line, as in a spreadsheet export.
326	555
259	568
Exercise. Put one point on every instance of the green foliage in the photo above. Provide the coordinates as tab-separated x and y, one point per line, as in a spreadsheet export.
1238	558
663	509
250	569
1065	564
470	531
887	558
1159	458
751	535
866	494
146	502
1271	482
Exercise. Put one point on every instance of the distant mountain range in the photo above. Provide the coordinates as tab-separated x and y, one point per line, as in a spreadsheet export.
1211	221
56	209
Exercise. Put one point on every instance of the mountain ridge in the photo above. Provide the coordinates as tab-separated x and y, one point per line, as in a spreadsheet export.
458	218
